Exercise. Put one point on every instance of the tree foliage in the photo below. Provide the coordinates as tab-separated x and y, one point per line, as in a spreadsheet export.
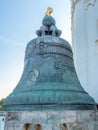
1	102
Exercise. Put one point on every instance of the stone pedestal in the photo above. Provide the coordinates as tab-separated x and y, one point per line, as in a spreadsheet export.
52	120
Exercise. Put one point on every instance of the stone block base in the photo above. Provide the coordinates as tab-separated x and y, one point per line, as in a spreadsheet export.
52	120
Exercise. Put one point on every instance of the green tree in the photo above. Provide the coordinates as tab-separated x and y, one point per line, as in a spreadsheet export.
1	102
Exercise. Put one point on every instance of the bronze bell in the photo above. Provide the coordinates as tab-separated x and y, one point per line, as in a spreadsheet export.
49	80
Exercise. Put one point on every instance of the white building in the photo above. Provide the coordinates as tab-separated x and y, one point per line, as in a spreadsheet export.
85	43
2	120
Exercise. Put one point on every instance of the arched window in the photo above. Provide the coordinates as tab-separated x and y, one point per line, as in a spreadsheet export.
37	127
27	126
64	126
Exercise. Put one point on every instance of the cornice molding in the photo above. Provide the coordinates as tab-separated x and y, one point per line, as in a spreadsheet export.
73	4
89	3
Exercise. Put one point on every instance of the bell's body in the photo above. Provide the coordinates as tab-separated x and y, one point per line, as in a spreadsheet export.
49	79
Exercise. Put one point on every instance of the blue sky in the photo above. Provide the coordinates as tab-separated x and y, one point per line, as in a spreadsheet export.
19	19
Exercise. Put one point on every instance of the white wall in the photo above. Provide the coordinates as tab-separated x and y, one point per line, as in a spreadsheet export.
85	43
2	122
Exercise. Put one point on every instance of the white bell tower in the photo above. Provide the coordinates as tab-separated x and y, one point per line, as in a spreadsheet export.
84	17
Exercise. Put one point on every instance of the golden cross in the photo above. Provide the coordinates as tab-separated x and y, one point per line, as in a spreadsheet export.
49	11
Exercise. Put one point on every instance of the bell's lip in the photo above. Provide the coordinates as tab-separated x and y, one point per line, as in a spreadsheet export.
46	107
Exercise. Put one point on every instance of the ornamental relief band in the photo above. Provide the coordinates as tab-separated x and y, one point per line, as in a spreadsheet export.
47	48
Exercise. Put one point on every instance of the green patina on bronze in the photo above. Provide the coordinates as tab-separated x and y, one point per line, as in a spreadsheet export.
49	79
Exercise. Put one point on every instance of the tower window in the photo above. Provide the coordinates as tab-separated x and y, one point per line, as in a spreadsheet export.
2	119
